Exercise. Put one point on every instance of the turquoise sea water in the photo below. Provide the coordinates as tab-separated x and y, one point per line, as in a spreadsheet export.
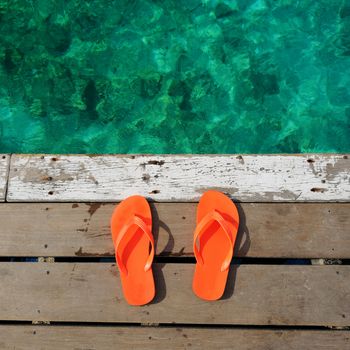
174	76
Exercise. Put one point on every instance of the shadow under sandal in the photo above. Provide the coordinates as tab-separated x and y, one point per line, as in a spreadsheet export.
215	234
131	226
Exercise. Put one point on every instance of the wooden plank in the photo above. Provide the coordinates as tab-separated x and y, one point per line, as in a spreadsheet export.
262	295
248	178
293	230
4	168
106	338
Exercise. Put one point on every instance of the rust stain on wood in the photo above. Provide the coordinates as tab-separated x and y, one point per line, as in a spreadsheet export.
316	189
146	177
156	162
93	208
240	158
153	162
47	178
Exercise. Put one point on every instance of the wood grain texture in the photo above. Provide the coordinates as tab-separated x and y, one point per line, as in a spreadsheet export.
248	178
147	338
4	168
256	295
293	230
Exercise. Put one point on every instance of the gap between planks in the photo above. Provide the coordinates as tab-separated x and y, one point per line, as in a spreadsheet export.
267	230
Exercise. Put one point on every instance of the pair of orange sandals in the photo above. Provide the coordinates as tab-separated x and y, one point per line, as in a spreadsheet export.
213	244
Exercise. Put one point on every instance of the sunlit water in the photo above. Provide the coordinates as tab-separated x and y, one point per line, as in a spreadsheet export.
175	76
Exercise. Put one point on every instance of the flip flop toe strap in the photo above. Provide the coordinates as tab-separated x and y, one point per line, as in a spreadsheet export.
213	216
139	223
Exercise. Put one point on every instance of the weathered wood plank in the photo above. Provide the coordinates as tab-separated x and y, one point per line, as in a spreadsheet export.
293	230
248	178
106	338
262	295
4	168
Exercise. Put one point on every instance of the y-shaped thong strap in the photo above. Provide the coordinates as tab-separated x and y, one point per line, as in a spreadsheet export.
139	222
208	219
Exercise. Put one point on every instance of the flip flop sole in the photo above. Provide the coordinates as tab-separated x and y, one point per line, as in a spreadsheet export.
138	284
209	281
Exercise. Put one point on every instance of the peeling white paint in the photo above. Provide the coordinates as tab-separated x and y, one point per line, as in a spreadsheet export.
247	178
4	167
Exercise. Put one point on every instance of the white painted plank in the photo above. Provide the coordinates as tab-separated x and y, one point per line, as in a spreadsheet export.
4	167
247	178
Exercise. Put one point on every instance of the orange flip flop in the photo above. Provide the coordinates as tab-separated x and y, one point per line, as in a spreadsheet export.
131	226
216	231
